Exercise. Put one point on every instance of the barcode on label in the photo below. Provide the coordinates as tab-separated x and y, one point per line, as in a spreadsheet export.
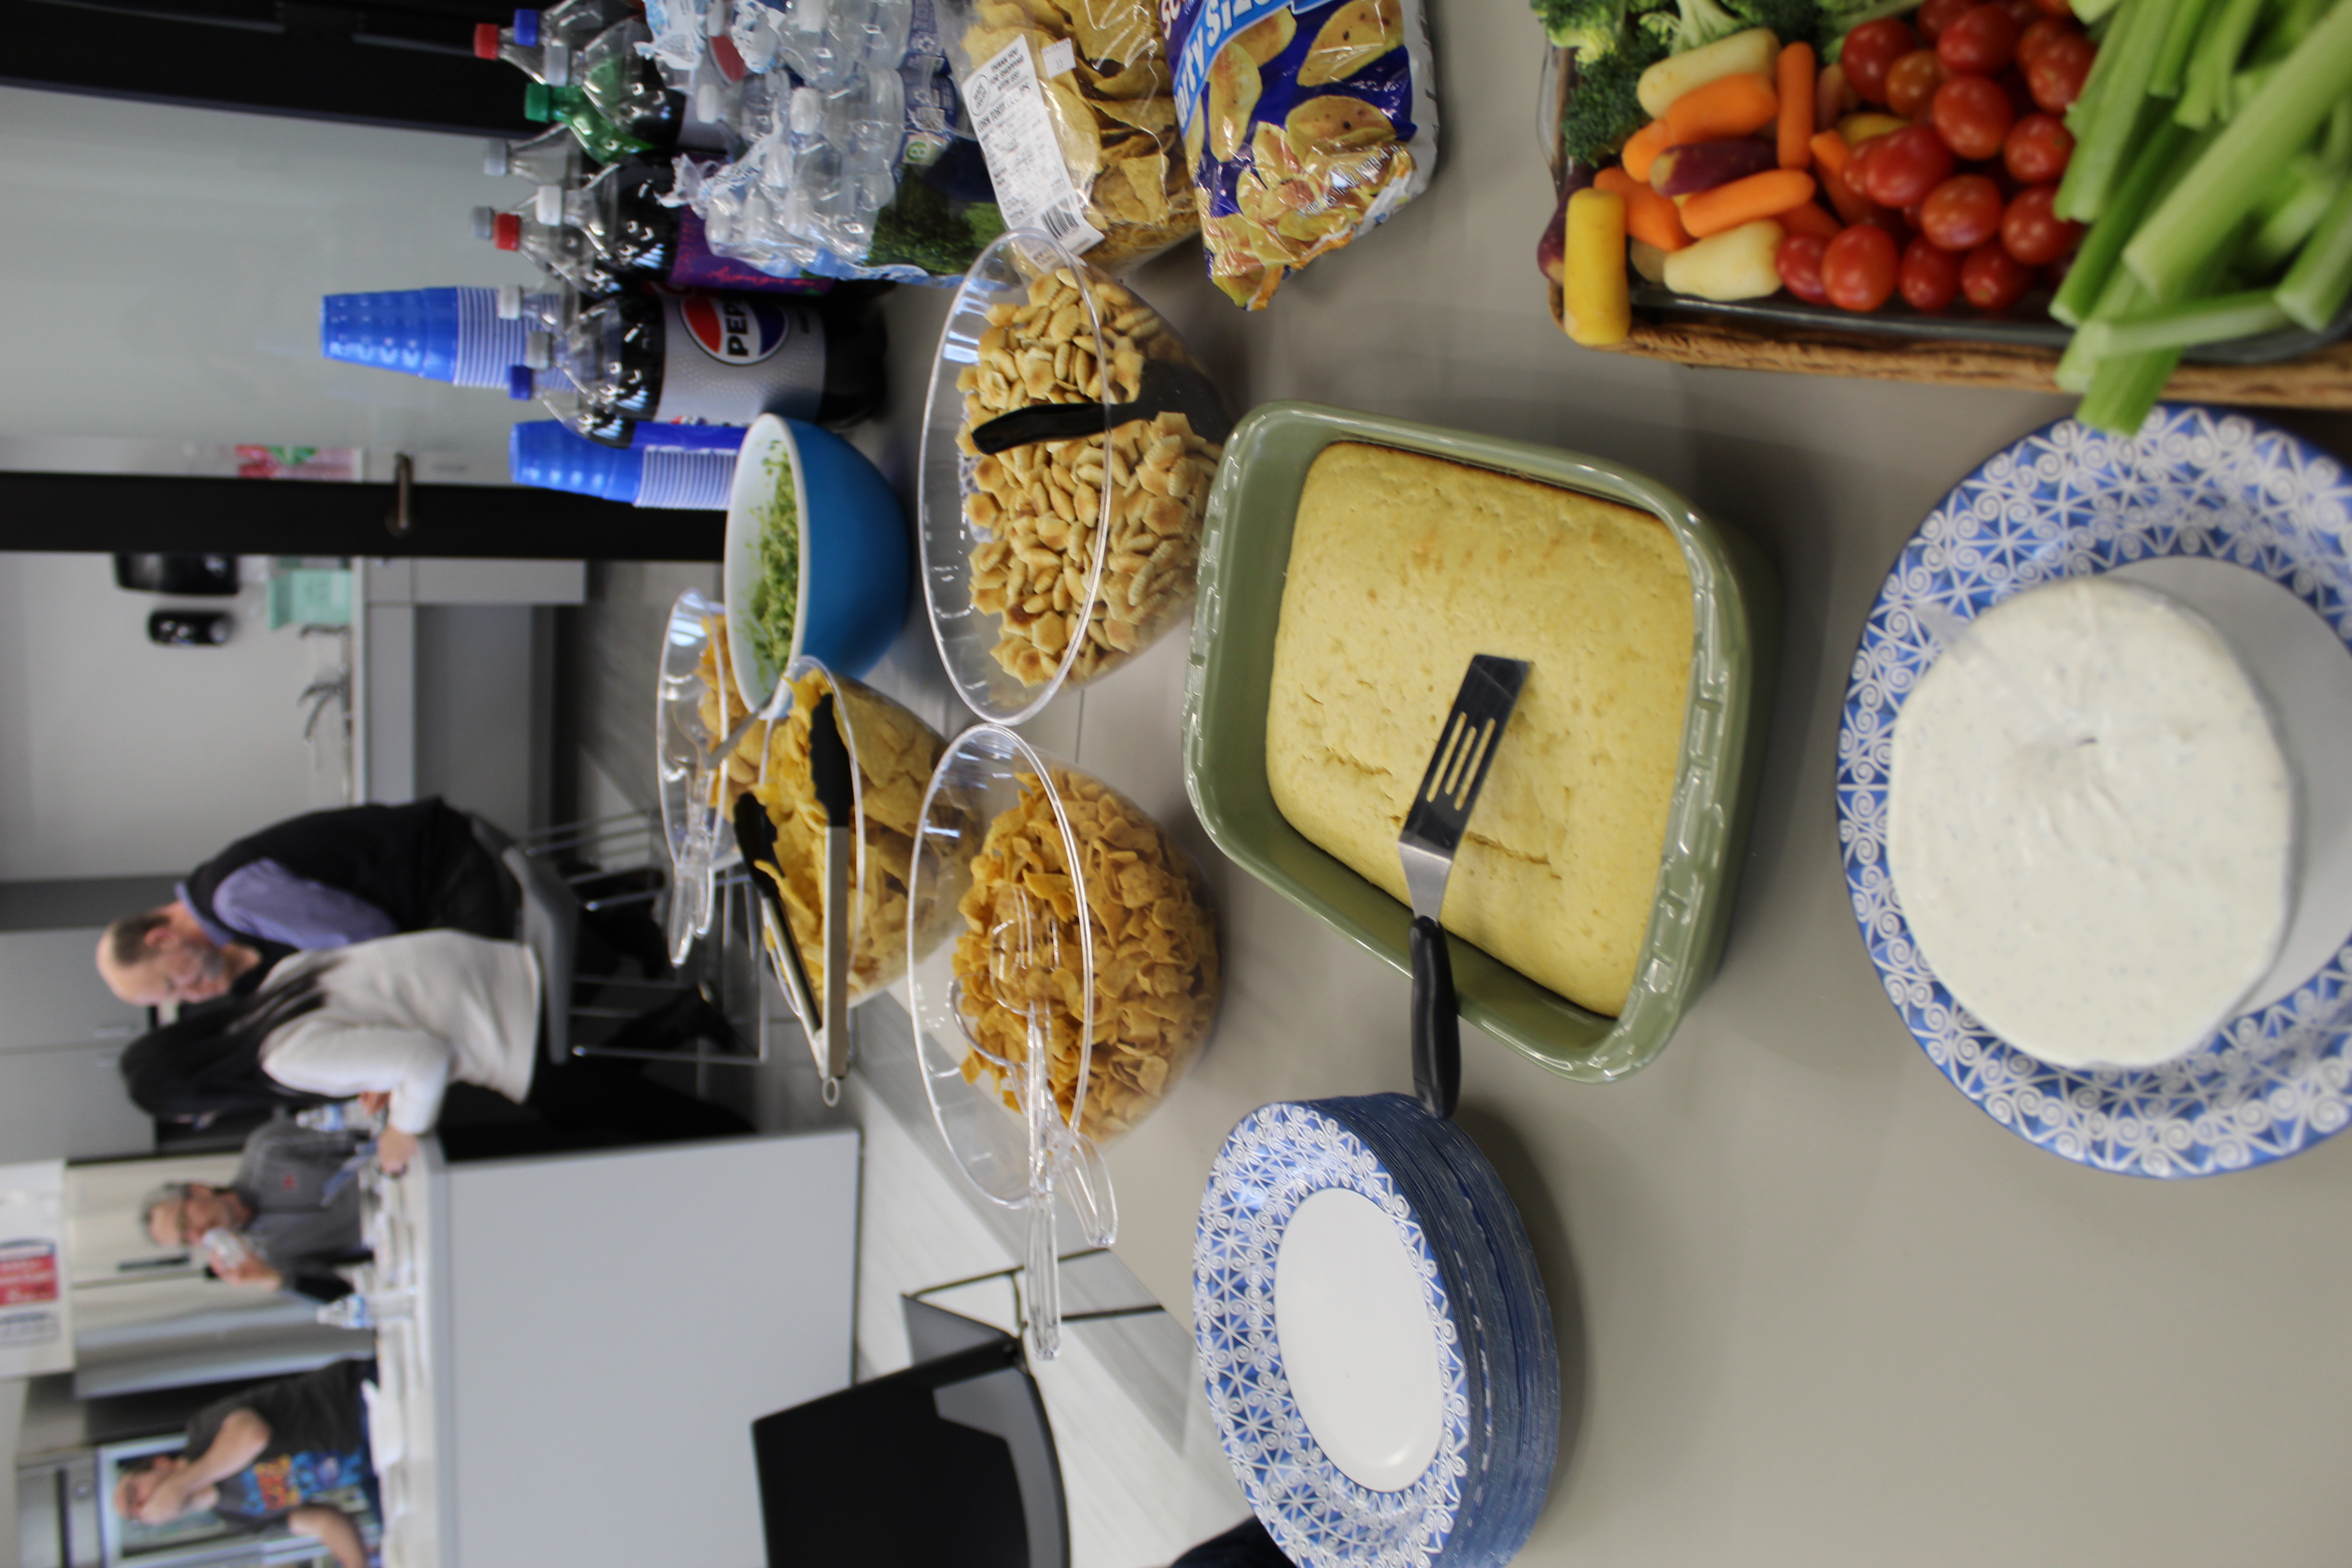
1024	158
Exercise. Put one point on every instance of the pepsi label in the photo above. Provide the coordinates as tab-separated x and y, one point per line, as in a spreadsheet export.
728	358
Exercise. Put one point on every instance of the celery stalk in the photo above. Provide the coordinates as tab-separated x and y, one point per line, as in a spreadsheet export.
2102	148
2089	11
2172	62
2306	193
2163	154
2314	287
2126	390
2205	207
2085	110
2085	352
2335	141
2207	78
2185	326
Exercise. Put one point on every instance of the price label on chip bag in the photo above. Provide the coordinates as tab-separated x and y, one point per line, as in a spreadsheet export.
1025	161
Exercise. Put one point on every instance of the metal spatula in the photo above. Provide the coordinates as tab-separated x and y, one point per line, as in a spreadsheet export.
1433	832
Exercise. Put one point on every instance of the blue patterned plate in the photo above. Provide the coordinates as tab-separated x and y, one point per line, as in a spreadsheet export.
2067	502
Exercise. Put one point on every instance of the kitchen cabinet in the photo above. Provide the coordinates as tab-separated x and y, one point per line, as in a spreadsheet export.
62	1035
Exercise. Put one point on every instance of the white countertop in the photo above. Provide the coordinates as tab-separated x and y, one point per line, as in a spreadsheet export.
1814	1307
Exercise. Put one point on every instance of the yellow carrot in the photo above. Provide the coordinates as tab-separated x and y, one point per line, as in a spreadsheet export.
1596	304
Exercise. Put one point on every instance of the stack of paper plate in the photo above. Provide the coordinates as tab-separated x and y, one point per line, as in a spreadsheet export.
1374	1336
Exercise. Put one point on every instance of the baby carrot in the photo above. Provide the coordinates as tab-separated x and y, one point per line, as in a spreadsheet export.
1807	217
1643	147
1851	204
1649	216
1767	194
1594	305
1796	105
1831	152
1728	106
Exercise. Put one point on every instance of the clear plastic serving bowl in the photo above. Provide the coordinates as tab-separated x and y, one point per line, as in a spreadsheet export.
1066	1007
1037	571
891	755
695	707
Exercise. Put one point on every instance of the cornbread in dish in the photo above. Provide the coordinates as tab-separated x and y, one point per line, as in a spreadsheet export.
1401	567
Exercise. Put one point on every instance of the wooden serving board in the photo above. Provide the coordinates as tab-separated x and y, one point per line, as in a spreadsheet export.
2321	380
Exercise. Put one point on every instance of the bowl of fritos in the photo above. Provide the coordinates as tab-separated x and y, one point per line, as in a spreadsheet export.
1069	444
696	708
891	754
1113	974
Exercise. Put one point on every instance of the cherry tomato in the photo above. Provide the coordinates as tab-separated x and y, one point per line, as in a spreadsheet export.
1983	41
1937	15
1930	277
1912	81
1961	214
2036	150
2043	32
1972	116
2055	8
1858	267
2024	13
1870	50
2033	233
2056	73
1799	262
1992	278
1906	165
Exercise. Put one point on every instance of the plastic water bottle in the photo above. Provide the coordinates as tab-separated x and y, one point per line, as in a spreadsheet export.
571	107
350	1311
553	158
562	252
543	453
227	1249
638	235
549	63
443	334
570	22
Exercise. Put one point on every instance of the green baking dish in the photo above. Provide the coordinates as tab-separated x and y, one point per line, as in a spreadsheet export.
1244	555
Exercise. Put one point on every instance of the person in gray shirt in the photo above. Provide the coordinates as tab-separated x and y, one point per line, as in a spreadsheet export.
279	1204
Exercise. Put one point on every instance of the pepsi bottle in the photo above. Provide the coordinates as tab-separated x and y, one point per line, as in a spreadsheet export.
623	216
723	359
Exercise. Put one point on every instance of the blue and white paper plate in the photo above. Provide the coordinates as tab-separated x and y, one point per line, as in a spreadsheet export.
1497	1367
2069	501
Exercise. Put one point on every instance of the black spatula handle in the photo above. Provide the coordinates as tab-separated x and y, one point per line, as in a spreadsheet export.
1436	1028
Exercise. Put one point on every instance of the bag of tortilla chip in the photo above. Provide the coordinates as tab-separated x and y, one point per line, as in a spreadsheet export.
1072	103
1306	123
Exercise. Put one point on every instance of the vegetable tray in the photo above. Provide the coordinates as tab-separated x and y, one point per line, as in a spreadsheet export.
1782	335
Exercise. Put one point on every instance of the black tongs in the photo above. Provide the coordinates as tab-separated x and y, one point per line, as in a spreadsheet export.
1168	385
830	776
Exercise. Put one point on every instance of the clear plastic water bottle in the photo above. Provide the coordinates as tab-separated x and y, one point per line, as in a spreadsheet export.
550	63
332	1117
350	1311
552	157
627	89
562	251
226	1250
571	22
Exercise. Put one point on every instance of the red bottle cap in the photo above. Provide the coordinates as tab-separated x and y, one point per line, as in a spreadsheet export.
506	231
485	40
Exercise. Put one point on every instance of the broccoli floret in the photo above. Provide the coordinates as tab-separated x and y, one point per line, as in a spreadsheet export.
1792	21
1688	24
1604	109
1590	27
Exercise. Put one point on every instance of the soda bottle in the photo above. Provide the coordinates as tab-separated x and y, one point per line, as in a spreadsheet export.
601	139
639	236
552	157
627	89
563	252
723	359
549	63
571	22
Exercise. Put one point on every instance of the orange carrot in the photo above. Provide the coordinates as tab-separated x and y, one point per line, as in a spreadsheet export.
1796	105
1830	153
1851	204
1649	216
1738	105
1767	194
1807	217
1642	149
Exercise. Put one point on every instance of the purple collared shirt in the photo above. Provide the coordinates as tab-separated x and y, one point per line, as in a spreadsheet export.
271	902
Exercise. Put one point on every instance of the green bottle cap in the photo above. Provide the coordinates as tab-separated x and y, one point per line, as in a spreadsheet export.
537	103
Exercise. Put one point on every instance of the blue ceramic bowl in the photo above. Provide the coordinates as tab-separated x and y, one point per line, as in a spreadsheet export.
855	579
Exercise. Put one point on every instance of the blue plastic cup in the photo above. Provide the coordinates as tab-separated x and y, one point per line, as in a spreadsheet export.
544	454
442	334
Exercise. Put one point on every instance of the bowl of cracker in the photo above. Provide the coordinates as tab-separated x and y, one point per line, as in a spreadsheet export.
1070	444
891	754
1106	982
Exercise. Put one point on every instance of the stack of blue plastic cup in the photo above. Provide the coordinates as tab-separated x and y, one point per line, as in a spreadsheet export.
443	334
683	466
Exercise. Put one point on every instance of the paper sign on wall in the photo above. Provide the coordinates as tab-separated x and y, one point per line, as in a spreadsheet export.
35	1311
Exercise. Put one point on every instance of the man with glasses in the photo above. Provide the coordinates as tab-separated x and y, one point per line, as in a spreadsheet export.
294	1204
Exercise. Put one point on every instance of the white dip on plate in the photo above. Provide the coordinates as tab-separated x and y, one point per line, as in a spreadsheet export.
2091	824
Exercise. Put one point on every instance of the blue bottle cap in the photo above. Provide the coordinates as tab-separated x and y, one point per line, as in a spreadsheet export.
526	28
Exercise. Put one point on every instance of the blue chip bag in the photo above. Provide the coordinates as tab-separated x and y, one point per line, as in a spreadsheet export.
1303	125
